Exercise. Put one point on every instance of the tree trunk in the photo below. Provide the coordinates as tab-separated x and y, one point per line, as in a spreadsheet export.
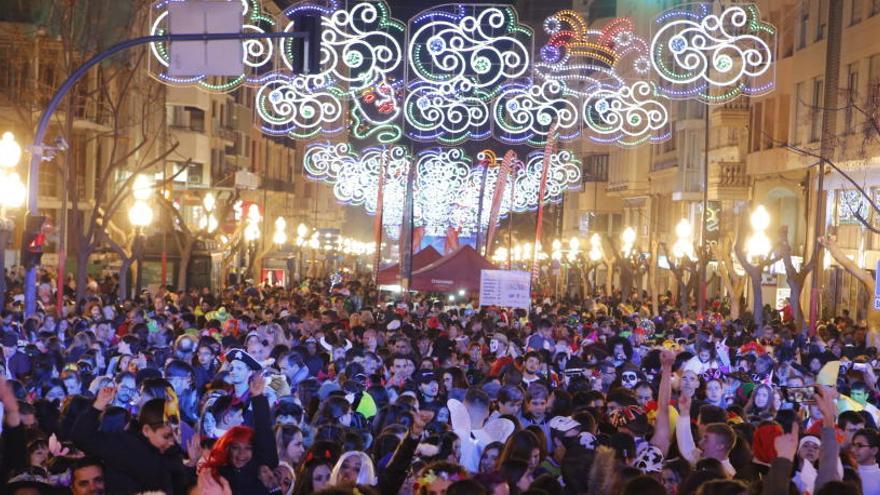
653	286
82	270
873	317
609	278
124	277
757	299
626	278
186	251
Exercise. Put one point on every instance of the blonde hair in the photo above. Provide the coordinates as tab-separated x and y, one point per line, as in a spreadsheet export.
366	475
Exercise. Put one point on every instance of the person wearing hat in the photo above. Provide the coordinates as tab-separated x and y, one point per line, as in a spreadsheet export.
17	364
429	389
241	367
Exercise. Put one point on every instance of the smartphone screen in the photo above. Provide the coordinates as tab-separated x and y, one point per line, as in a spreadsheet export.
800	395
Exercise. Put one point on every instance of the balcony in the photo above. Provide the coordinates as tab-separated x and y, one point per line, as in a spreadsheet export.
728	180
223	132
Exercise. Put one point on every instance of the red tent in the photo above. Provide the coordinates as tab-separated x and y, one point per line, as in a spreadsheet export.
459	269
391	274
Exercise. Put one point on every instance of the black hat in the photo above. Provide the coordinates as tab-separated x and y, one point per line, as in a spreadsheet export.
425	376
244	357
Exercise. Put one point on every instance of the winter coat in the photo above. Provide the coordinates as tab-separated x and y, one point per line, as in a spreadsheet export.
131	463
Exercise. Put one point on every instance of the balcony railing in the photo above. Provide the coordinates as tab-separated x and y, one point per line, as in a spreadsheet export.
732	174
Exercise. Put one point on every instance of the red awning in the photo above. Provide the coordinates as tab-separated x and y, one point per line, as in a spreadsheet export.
391	274
457	270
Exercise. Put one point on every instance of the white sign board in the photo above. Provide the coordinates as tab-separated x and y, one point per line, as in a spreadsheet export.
782	293
506	288
877	287
211	58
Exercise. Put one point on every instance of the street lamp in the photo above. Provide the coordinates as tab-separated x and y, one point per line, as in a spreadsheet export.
595	254
140	215
208	222
758	245
251	231
628	236
12	192
280	235
684	245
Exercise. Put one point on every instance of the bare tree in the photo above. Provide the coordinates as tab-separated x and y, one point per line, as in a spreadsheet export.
734	284
753	270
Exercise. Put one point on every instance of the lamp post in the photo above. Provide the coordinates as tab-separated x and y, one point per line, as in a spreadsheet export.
279	238
682	258
12	192
301	231
140	215
252	232
595	255
757	258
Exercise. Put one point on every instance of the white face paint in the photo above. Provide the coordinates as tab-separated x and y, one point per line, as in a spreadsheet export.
493	346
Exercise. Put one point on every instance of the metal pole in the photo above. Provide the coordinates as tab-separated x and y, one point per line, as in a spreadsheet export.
829	130
37	149
703	260
6	228
140	263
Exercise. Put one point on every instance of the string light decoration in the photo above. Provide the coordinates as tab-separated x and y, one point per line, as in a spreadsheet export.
524	113
300	107
447	187
588	59
628	116
714	57
258	55
483	44
450	113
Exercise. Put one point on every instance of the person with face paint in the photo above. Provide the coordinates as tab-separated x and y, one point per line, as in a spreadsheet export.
242	369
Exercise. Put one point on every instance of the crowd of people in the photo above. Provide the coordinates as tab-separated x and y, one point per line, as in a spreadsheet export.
319	389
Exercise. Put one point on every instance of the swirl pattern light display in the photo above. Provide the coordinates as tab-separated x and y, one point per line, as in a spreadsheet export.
525	112
713	56
458	73
450	113
300	107
258	55
484	45
630	115
447	188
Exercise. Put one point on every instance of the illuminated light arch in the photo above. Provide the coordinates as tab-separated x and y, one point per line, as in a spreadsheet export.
450	113
361	46
627	116
441	176
715	57
301	107
484	44
563	173
524	113
257	55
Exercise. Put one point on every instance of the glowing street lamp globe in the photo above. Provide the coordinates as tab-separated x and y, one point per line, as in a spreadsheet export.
683	230
10	151
760	219
302	230
280	235
628	236
140	214
12	190
209	202
142	188
574	244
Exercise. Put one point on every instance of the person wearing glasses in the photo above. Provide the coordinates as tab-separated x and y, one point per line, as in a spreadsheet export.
865	445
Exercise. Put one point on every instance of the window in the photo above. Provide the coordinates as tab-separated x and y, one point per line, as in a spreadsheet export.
852	88
596	168
855	12
191	118
804	22
194	174
823	20
816	118
875	7
757	125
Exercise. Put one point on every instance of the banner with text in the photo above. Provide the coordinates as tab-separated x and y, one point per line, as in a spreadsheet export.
507	288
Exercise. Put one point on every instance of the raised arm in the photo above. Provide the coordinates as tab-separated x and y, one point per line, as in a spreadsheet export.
265	449
829	452
779	475
86	432
661	438
683	436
